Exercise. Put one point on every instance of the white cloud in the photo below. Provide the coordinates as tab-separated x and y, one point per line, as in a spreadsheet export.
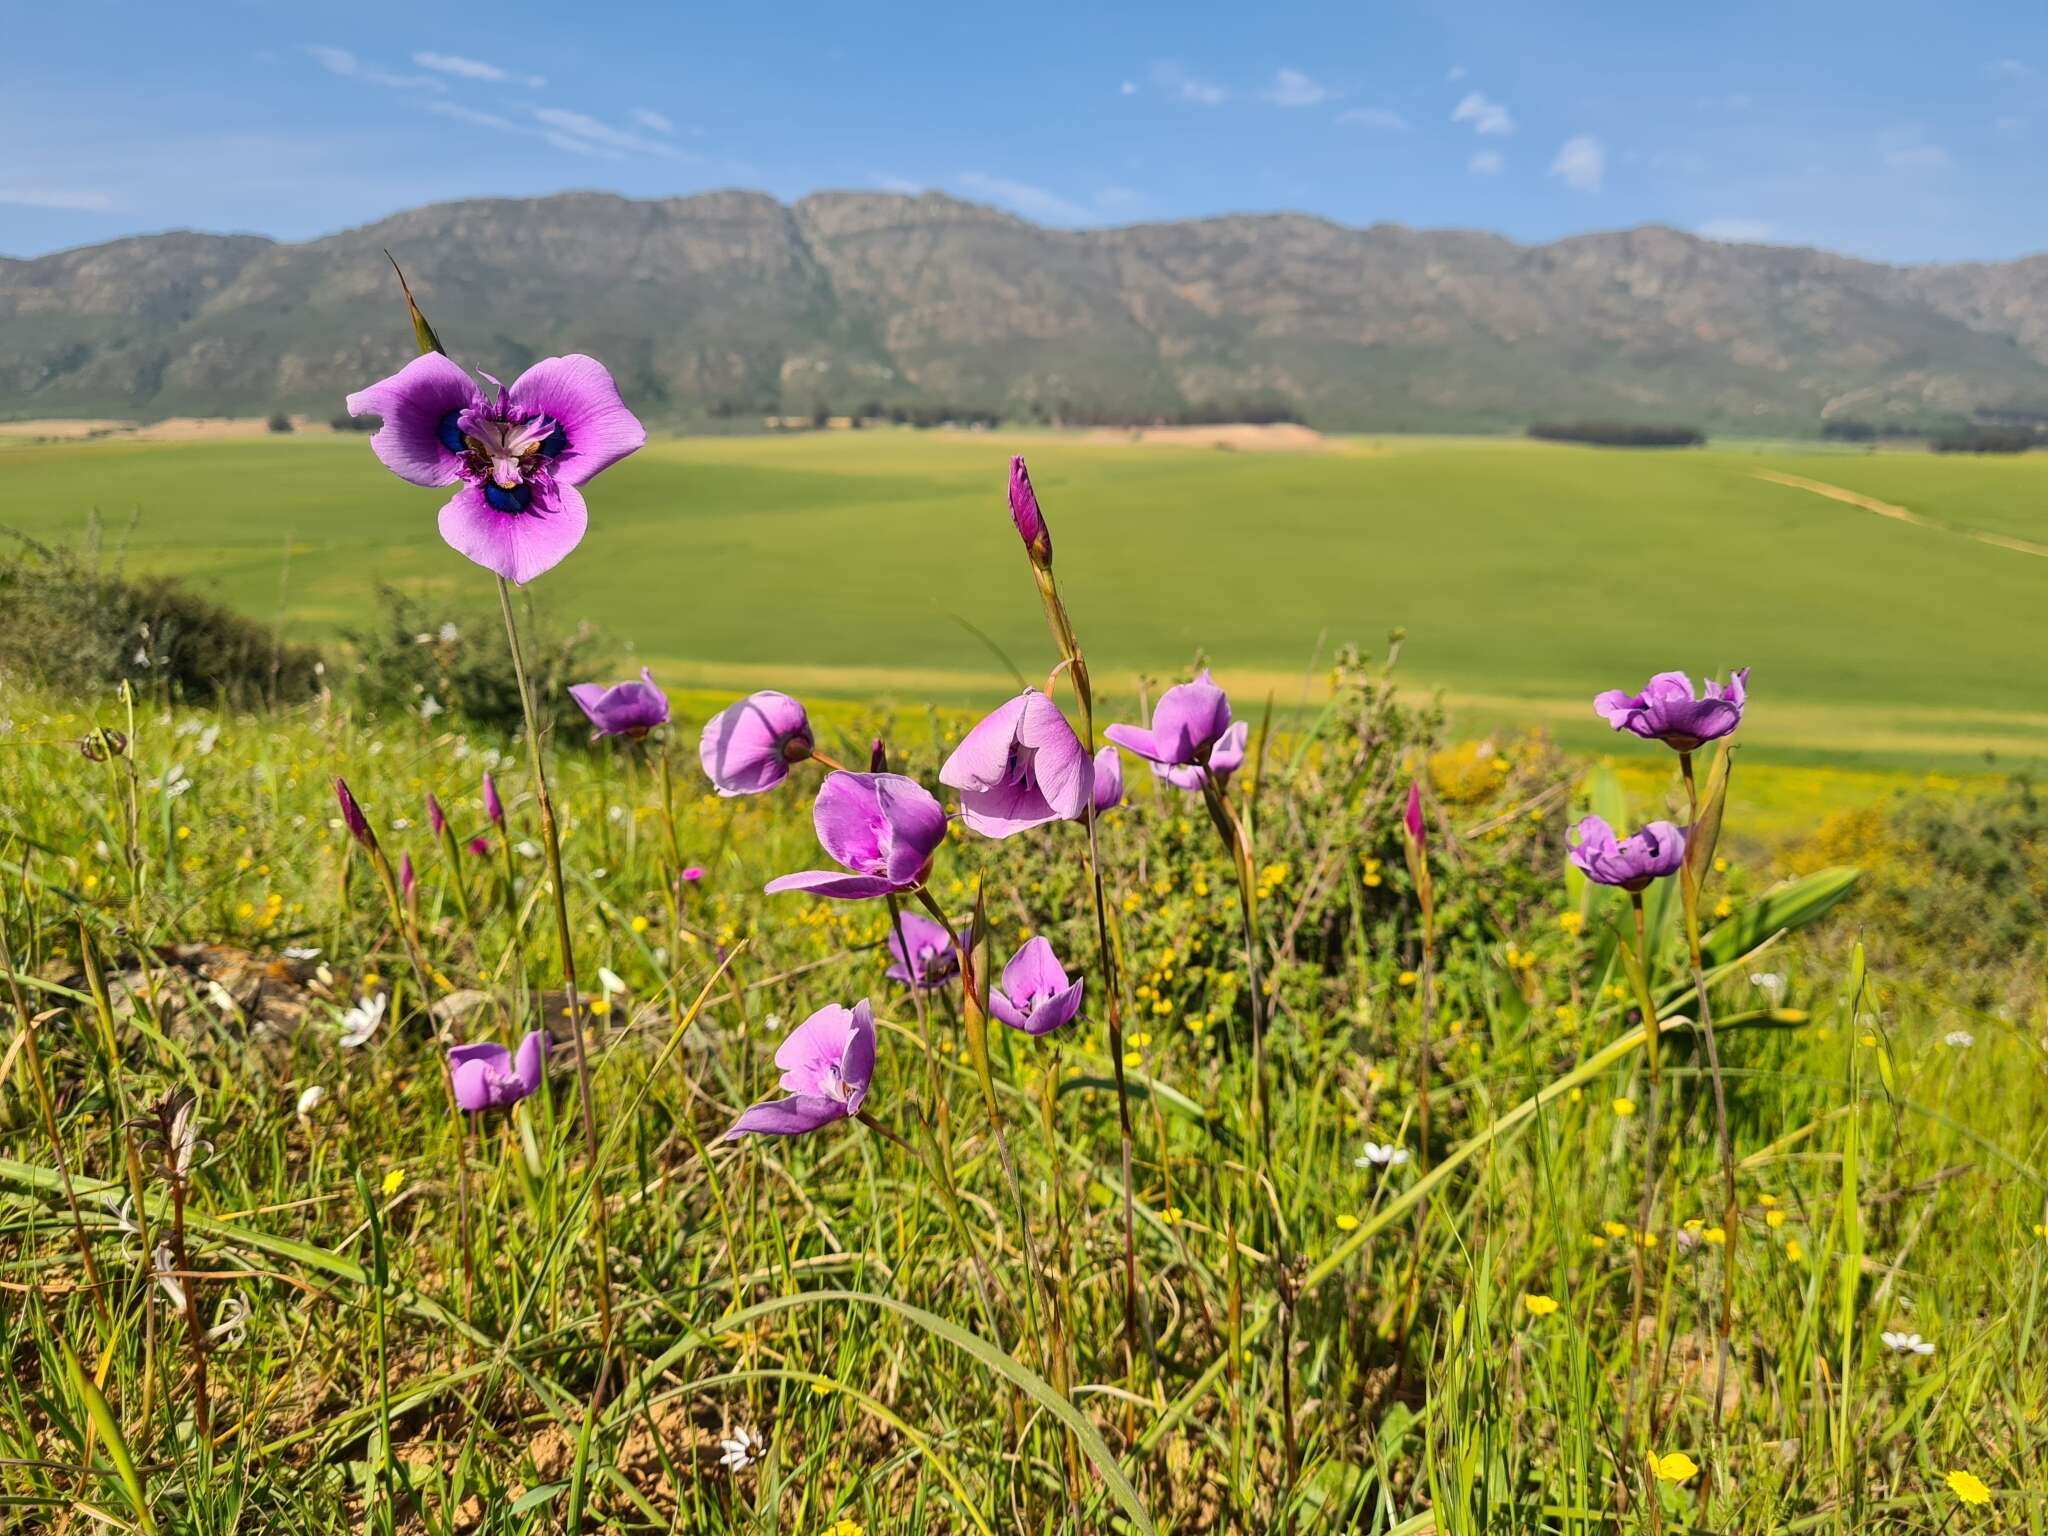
1455	73
1032	202
1485	115
1582	163
899	184
1179	85
1736	231
1913	153
66	199
1116	199
582	128
1380	119
653	121
475	69
2009	69
1292	88
472	116
1128	88
339	61
1487	162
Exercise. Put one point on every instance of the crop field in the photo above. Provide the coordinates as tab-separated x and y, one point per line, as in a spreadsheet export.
867	565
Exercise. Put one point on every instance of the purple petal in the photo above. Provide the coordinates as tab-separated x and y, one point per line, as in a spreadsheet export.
1191	718
982	760
578	395
1109	780
476	1071
857	1071
746	747
1025	514
1034	969
1412	818
630	708
1134	738
517	545
831	882
414	403
787	1117
811	1055
850	822
1227	756
1051	1013
531	1062
917	825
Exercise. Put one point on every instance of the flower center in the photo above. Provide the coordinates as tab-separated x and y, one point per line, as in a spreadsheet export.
501	455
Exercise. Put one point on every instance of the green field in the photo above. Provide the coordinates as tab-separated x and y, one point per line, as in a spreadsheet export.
1526	576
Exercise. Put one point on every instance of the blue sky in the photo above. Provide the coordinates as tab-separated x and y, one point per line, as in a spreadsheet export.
1903	133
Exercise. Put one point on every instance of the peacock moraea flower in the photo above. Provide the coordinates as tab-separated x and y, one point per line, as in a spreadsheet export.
1025	513
1109	780
882	828
624	709
1192	736
1667	711
1036	995
519	458
352	814
1629	862
490	1077
1021	767
827	1063
750	745
932	956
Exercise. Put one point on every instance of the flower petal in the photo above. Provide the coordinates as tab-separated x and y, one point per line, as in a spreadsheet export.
1134	738
849	821
812	1053
578	395
517	545
832	882
787	1117
414	403
982	760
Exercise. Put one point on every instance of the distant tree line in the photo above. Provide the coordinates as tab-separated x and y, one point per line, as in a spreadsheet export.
1981	439
1618	434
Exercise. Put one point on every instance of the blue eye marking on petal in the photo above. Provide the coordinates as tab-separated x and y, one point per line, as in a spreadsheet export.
501	500
555	444
450	433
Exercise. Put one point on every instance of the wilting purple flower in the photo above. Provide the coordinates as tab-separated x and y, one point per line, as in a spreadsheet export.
827	1063
436	817
1666	710
352	814
1020	768
882	827
490	1077
932	955
878	756
748	746
1025	514
408	882
494	808
1035	996
519	458
1191	735
1411	819
624	709
1109	780
1630	862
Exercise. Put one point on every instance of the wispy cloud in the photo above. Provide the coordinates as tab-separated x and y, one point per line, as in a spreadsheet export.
1486	115
1736	231
1908	149
653	121
2010	69
1178	85
1292	88
1128	88
1487	162
1022	197
1379	119
1117	199
66	199
1455	73
476	119
475	69
899	184
584	128
339	61
1581	162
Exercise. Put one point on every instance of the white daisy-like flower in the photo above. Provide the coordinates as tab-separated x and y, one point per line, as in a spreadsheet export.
1770	983
742	1448
430	707
361	1021
309	1101
1379	1156
1906	1343
449	634
1961	1039
609	980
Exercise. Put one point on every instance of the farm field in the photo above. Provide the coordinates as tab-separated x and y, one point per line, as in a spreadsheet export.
1525	576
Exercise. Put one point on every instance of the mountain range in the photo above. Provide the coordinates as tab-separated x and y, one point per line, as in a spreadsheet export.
732	304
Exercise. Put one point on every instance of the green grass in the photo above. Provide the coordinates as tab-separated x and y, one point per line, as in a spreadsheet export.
1526	576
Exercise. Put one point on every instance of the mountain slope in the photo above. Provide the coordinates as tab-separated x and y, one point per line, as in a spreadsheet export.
732	303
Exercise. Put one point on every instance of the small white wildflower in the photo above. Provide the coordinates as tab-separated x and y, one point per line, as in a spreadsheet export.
308	1102
742	1448
527	850
1770	983
1378	1156
207	738
609	980
230	1323
1906	1343
222	999
449	634
189	728
166	1276
1961	1039
430	707
173	783
361	1021
772	1024
423	638
300	952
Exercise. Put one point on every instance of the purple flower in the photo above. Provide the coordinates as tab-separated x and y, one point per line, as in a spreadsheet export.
408	882
494	808
882	827
1666	710
519	458
1020	768
748	746
827	1063
352	814
692	873
1411	820
624	709
1035	996
1024	513
1630	862
1109	780
489	1077
436	817
932	955
479	846
1191	735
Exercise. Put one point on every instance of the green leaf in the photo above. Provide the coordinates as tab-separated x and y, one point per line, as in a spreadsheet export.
1793	905
109	1430
1706	831
422	332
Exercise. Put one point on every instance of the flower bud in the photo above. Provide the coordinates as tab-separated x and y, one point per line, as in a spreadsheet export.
1025	513
352	815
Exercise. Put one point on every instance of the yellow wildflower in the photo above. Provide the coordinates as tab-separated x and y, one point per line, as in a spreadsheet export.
1347	1222
1134	1058
1968	1487
639	924
393	1181
183	833
1614	1229
1408	978
1571	922
1623	1106
1539	1306
1170	1216
1673	1467
1794	1251
1774	1219
1724	907
845	1527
